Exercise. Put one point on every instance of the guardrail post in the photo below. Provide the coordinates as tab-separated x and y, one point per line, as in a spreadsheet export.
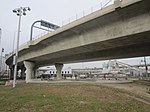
117	3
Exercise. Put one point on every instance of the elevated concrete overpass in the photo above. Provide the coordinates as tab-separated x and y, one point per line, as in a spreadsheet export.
121	30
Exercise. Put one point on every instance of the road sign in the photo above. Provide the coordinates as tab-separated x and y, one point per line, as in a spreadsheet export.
49	25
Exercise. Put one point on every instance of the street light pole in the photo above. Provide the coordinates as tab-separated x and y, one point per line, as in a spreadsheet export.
19	11
16	57
13	44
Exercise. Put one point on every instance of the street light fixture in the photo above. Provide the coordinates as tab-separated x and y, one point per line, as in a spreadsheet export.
19	12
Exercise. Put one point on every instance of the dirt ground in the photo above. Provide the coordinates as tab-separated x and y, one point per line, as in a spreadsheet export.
139	90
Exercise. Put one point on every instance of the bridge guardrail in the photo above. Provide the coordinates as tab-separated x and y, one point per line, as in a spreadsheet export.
86	12
82	14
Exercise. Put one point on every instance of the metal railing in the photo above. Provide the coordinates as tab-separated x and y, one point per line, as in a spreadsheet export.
86	12
82	14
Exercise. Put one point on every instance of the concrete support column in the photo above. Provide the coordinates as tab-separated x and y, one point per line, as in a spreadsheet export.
29	70
59	67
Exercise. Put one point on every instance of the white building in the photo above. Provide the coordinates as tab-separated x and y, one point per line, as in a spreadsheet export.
53	72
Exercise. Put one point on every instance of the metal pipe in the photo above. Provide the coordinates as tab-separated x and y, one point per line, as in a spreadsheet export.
31	33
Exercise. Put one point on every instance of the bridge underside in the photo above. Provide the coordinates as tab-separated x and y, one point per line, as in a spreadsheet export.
124	47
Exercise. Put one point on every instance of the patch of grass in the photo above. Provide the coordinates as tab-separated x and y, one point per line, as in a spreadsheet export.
67	98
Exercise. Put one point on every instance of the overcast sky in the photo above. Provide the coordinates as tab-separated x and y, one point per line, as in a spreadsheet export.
54	11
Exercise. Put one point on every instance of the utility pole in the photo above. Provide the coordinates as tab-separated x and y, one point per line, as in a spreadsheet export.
146	73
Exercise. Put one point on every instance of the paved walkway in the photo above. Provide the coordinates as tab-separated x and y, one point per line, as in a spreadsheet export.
82	81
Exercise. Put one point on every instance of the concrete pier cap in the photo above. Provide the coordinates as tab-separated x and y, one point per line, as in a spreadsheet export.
59	67
29	70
